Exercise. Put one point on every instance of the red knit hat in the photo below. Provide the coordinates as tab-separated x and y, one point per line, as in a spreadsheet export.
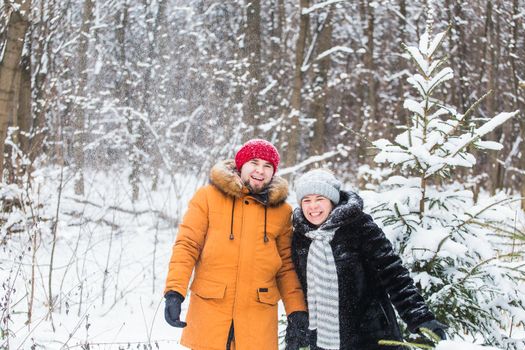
257	148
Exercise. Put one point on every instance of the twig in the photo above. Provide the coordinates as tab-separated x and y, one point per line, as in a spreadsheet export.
159	213
89	345
361	136
154	317
53	247
308	161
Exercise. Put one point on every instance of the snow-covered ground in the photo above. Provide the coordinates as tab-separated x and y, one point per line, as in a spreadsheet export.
108	266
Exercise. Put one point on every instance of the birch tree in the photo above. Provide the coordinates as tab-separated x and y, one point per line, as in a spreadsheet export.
293	131
321	90
253	57
79	136
10	64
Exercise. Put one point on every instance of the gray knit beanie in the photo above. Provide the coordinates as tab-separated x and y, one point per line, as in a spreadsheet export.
318	181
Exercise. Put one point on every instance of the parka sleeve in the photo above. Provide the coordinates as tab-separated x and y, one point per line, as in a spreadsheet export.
189	243
393	276
287	281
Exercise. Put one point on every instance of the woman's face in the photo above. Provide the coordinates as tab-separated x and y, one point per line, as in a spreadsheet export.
316	208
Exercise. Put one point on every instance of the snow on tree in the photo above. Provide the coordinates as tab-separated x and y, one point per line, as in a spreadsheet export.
462	253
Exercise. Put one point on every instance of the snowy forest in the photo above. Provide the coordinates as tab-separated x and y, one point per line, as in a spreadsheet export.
112	113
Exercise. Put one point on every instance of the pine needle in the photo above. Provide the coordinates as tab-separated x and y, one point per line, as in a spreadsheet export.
404	344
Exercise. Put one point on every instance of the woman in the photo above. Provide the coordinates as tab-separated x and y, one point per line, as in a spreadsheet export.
349	272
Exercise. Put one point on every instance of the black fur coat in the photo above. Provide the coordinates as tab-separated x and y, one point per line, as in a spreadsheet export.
370	274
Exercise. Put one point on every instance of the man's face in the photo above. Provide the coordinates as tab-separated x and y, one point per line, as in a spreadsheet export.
256	174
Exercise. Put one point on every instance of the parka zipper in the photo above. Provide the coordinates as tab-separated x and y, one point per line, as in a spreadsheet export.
231	333
239	260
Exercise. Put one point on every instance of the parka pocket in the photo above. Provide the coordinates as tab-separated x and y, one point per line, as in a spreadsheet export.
208	289
269	295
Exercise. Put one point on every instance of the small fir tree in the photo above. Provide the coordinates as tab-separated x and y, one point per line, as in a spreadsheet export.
455	247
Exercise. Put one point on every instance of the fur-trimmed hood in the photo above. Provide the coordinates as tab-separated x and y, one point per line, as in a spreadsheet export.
350	208
225	177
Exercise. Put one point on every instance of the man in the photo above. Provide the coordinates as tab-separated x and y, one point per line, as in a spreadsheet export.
236	237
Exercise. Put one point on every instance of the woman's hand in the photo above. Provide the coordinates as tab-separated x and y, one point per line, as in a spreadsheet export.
297	333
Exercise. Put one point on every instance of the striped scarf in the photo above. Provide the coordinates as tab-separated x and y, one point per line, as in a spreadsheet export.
323	291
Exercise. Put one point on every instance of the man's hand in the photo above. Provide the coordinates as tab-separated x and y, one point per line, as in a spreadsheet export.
172	309
297	331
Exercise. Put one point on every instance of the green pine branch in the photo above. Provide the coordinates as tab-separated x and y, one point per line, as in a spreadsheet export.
424	331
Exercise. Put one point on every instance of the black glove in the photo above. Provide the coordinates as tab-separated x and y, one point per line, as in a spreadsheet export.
436	327
172	309
297	331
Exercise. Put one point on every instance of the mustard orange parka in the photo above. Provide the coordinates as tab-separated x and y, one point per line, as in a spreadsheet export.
240	251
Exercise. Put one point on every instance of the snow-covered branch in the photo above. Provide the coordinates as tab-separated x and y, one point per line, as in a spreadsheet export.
304	163
333	50
319	6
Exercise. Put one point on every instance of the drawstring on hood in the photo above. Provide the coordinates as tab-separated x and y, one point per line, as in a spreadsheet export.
265	236
225	177
266	239
231	227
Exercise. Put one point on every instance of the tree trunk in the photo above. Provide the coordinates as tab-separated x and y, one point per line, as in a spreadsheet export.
21	122
79	136
253	53
293	131
367	112
519	93
462	58
160	39
124	91
370	66
400	112
279	31
277	62
25	121
455	85
11	153
320	103
505	131
136	126
458	60
15	32
489	67
43	94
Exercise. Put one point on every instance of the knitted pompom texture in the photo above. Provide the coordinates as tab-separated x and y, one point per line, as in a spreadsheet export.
257	148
